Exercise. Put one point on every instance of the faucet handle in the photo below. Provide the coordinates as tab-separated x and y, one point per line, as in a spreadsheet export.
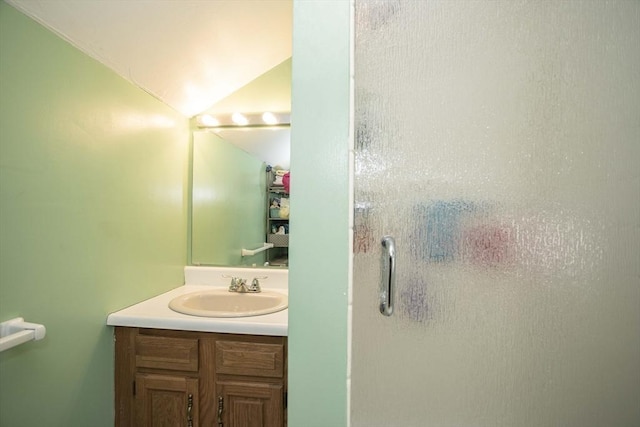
255	284
235	284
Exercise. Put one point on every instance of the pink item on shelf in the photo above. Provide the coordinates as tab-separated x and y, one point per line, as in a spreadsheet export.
285	181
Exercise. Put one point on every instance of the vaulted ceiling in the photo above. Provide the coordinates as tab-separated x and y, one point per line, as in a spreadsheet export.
191	54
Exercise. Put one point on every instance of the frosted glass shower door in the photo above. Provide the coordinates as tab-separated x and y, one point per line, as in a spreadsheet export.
498	143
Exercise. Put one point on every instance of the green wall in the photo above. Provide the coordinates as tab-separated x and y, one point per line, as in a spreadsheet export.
228	203
319	260
92	219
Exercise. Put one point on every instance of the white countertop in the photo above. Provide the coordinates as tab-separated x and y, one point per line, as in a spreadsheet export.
155	312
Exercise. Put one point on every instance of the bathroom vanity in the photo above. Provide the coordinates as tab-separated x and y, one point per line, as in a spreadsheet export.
184	378
173	369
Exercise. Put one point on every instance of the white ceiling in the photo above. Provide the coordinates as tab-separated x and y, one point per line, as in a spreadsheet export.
188	53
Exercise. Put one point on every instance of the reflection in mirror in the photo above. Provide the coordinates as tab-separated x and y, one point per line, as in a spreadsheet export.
270	145
233	175
228	202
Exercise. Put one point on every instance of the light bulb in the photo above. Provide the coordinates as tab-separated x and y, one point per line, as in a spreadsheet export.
269	118
209	120
239	119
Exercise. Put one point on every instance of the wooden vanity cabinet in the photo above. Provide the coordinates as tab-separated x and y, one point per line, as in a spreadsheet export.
180	378
248	383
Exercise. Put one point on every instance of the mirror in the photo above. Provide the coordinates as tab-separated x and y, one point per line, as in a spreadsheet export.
230	179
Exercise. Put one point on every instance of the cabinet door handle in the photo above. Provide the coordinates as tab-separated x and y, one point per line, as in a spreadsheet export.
220	409
190	410
387	290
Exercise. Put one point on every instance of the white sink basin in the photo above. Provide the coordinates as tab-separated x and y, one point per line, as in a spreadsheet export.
222	303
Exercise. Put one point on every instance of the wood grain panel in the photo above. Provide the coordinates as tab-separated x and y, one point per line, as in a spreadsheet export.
179	354
242	358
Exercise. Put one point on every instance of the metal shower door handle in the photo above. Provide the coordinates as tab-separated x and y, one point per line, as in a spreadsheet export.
388	287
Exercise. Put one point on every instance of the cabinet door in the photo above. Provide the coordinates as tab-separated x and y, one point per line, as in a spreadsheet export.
250	404
166	401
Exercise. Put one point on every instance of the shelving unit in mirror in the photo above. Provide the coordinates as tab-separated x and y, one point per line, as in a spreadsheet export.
277	221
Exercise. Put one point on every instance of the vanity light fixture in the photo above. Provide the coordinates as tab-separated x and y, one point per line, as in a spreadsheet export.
266	119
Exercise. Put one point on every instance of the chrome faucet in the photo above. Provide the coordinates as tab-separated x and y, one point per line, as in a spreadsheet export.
239	284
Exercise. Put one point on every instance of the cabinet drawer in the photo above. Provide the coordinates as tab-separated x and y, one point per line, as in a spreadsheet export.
257	359
178	354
